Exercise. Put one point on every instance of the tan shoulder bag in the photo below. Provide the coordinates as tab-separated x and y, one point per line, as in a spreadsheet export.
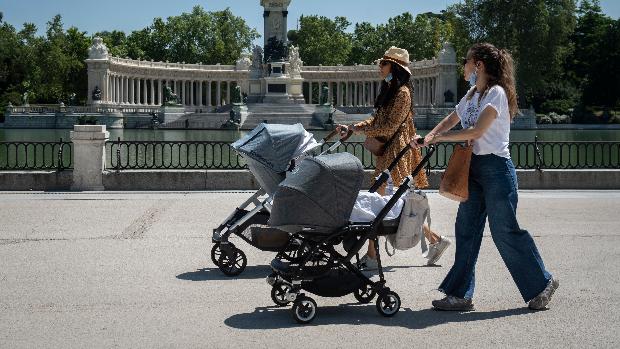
455	179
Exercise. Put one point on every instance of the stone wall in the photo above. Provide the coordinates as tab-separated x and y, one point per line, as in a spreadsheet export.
180	180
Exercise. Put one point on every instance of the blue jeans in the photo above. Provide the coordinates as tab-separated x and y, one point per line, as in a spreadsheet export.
493	194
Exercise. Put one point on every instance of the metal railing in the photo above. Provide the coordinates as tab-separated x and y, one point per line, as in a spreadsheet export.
178	155
23	156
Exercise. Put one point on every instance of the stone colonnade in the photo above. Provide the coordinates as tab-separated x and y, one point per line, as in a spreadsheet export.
353	93
132	90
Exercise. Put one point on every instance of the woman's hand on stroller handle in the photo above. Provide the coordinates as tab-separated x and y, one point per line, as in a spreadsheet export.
345	132
418	142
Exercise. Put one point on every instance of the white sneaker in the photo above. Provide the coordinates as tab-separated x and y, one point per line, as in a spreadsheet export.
367	263
436	250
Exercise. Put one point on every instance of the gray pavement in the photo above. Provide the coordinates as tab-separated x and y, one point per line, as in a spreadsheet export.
132	270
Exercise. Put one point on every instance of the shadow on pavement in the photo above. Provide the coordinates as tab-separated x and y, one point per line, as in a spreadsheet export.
208	274
264	318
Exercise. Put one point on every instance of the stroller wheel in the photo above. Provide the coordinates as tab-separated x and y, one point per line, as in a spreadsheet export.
388	304
216	252
365	294
232	263
278	294
304	309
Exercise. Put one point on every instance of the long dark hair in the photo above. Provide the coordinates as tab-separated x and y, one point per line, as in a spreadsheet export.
400	77
500	70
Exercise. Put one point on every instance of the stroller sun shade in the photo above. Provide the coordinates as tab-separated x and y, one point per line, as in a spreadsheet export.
319	193
274	145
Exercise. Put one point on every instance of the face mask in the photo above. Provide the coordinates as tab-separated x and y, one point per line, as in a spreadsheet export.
473	77
388	78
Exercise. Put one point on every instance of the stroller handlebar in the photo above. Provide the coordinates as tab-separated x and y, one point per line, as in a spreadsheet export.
330	135
386	173
347	136
335	132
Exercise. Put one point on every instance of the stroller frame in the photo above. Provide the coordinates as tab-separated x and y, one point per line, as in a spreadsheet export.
288	281
231	260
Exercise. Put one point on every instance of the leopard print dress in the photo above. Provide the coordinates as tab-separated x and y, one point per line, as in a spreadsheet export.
384	124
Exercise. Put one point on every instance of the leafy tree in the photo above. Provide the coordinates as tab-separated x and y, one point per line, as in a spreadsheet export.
422	37
196	37
593	65
322	40
537	32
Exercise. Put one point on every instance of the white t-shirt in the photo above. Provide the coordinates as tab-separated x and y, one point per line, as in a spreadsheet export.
495	139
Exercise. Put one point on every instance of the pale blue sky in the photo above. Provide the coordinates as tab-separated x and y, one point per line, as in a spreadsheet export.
128	15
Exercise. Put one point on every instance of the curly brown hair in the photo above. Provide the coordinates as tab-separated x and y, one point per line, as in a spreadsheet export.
499	68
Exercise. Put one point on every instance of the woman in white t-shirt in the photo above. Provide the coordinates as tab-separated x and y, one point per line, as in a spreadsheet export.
485	114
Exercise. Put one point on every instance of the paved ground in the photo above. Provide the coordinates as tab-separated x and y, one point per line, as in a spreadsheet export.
132	270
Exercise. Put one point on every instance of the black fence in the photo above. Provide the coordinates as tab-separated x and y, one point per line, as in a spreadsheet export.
20	156
133	155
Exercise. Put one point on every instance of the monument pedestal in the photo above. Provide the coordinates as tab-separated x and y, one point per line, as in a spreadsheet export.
170	113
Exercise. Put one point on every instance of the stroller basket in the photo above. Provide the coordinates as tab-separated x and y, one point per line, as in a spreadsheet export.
269	238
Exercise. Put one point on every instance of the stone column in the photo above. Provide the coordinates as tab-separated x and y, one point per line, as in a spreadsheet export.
152	92
160	92
131	90
191	92
112	89
144	92
88	156
422	92
200	93
117	93
339	93
117	89
121	89
218	93
227	92
126	93
138	90
330	94
182	92
209	98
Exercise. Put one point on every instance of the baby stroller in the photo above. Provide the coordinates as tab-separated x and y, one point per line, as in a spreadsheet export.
316	201
269	151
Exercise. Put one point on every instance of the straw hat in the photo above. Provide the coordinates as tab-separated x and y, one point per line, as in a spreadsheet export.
396	55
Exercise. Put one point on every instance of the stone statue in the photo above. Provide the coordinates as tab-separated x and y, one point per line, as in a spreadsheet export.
257	58
25	98
236	95
244	62
295	62
170	98
72	99
98	50
324	96
96	94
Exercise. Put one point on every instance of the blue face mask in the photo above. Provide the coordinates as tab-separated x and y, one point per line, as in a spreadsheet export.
388	78
473	77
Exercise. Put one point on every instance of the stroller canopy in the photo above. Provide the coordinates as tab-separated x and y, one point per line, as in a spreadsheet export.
319	193
274	145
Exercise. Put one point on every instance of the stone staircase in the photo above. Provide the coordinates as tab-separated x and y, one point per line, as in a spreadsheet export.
281	114
306	114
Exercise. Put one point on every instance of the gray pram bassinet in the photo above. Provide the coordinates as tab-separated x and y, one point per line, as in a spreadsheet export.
319	194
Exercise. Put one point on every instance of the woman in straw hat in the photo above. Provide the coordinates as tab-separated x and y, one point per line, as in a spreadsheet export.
394	116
